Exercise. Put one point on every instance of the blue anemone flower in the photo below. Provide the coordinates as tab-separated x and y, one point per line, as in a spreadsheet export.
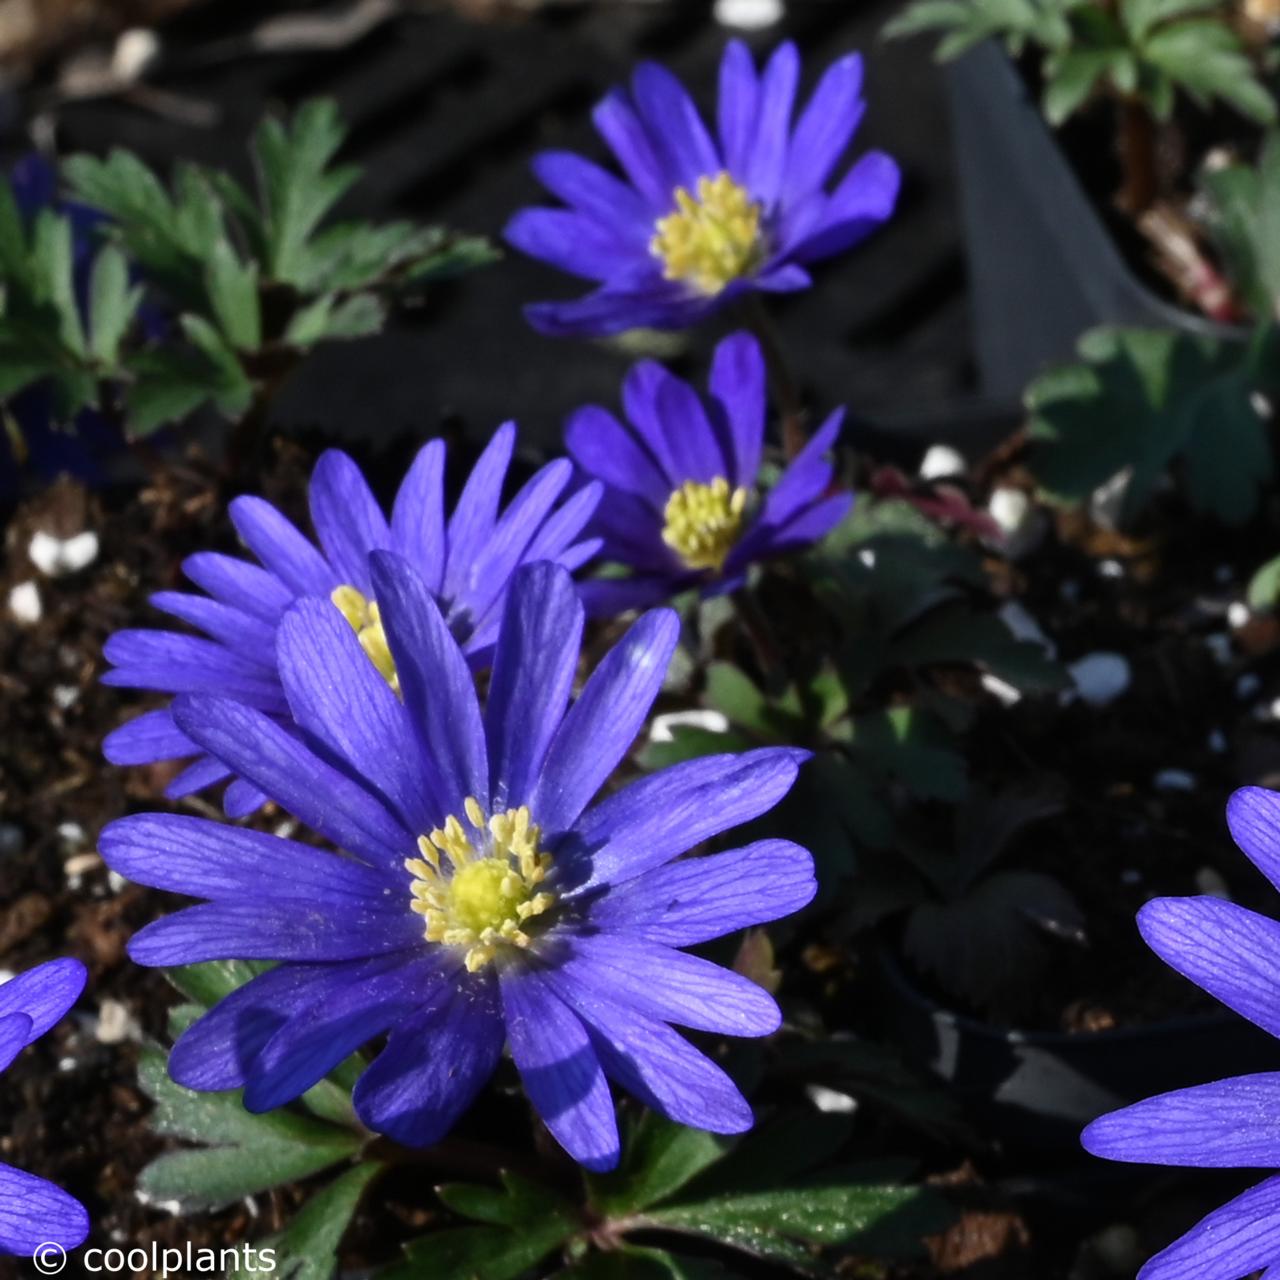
466	560
1234	955
32	1211
681	508
486	899
701	220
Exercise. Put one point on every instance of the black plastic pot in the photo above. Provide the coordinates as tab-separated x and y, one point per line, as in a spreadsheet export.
1037	1089
1042	266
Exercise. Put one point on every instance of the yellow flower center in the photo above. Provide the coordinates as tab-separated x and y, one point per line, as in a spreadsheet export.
488	893
702	522
712	238
366	622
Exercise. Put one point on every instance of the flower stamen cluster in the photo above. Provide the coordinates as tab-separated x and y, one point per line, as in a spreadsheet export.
489	892
712	238
366	621
702	522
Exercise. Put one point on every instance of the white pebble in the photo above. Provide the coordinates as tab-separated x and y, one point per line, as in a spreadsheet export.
136	49
1219	644
1217	741
941	461
115	881
1025	627
72	834
1107	500
830	1101
748	15
66	1065
56	556
1174	780
713	721
65	696
1238	614
1006	694
1022	523
867	558
1211	882
1100	678
6	975
1247	686
24	603
1110	569
116	1024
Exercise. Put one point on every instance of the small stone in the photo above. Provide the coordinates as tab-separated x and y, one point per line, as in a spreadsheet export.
1069	590
25	604
115	881
72	835
867	558
1238	615
1110	569
749	15
712	721
1223	574
1025	627
1006	694
1174	780
1247	686
830	1101
1119	1249
57	556
1100	678
12	841
1107	500
116	1024
65	696
1131	876
1210	882
1219	645
135	51
1217	742
942	461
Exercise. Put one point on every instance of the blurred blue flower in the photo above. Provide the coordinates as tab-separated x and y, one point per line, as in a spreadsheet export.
485	899
681	507
466	561
32	1211
1234	955
700	220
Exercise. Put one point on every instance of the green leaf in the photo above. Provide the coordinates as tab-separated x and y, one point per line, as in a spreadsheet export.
233	291
1071	78
246	1153
913	745
1140	399
54	266
660	1157
211	981
332	318
112	305
523	1224
15	257
791	1225
307	1249
1264	587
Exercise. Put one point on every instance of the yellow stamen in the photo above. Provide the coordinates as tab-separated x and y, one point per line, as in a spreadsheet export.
711	238
366	622
489	891
702	522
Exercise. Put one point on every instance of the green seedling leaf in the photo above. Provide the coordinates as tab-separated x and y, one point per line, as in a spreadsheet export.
308	1248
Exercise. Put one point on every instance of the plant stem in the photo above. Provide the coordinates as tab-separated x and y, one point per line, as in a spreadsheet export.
786	392
1137	145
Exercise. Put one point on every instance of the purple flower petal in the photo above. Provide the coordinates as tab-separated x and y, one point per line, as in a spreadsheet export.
44	993
170	662
1228	951
738	386
604	721
738	106
1241	1237
533	670
697	899
240	631
433	1066
768	156
560	1070
239	584
680	139
336	693
667	813
692	445
295	778
471	525
204	859
279	545
346	516
417	517
618	124
1229	1124
1253	815
825	127
146	738
594	191
656	304
656	1064
195	777
309	926
307	1048
863	200
575	242
605	449
242	798
35	1212
15	1035
438	689
668	985
612	597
